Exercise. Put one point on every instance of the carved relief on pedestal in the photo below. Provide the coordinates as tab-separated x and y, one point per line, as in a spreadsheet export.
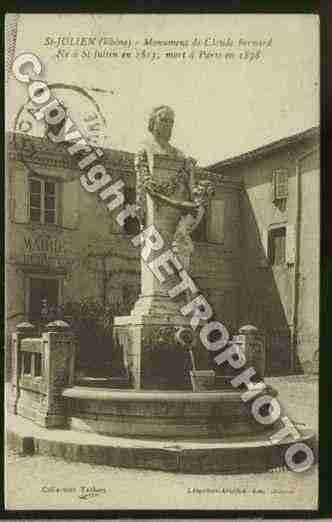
165	357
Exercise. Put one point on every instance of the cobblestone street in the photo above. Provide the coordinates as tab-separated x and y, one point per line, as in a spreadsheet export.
44	483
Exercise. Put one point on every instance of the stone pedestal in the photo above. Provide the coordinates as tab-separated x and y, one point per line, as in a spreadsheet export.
23	330
156	351
59	353
41	383
253	344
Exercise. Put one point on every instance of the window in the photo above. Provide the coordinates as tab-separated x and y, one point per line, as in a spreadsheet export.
43	201
280	184
26	363
38	365
131	225
277	246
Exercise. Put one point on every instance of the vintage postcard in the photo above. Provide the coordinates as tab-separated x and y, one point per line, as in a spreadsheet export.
162	261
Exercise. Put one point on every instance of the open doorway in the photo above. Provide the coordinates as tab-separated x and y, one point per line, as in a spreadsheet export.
43	297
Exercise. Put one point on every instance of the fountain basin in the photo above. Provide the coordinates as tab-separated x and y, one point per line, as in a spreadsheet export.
163	414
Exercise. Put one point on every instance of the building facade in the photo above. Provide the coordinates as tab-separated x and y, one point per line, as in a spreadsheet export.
256	252
280	225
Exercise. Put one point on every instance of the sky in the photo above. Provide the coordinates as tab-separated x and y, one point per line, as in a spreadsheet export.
222	107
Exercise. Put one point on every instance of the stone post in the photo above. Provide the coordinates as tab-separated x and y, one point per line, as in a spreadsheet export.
254	346
59	359
23	330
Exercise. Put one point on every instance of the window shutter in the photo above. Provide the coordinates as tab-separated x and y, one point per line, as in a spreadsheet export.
265	242
290	244
20	196
70	204
280	184
216	221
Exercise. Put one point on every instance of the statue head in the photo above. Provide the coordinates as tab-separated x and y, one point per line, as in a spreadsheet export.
161	122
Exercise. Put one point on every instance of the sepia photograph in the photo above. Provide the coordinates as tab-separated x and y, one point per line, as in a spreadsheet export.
162	252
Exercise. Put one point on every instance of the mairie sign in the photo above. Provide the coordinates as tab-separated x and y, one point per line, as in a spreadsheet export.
44	250
44	243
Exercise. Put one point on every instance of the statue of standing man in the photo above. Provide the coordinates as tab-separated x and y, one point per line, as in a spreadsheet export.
180	189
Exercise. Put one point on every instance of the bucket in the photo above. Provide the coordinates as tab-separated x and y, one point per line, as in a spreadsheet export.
202	380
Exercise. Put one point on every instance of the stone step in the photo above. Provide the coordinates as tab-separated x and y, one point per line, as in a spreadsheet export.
237	455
